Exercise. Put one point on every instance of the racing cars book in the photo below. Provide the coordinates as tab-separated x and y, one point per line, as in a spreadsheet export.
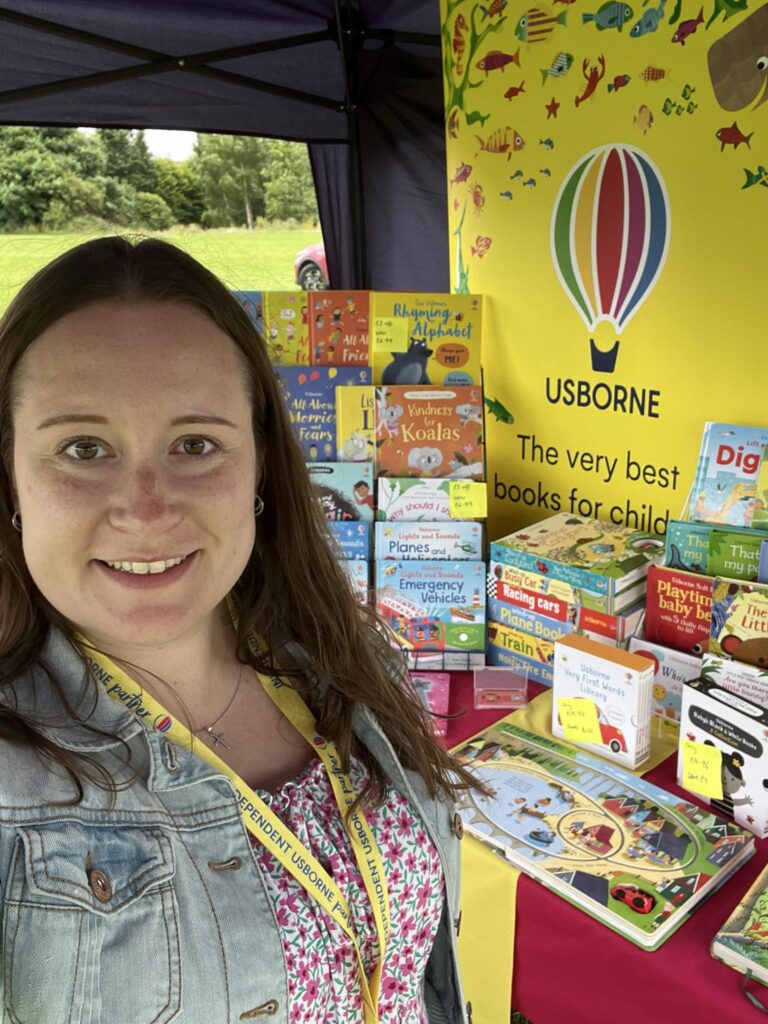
628	853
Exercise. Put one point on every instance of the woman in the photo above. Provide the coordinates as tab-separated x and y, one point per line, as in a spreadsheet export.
219	802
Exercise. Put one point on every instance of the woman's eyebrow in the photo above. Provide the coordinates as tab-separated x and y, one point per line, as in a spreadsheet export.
76	417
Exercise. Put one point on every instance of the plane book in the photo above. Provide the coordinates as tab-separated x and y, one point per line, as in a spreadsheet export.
631	855
310	397
725	485
742	941
424	541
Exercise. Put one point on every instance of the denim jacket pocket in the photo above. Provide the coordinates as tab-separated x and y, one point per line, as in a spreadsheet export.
90	926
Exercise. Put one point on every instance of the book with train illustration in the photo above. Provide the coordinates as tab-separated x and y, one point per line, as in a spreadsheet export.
286	327
742	941
725	485
339	328
630	854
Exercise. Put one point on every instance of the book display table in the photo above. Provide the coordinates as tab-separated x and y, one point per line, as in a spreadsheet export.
570	968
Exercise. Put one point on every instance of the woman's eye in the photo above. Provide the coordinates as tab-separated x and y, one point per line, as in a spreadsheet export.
196	446
81	450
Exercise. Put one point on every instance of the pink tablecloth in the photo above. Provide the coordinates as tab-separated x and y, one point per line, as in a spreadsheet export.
570	969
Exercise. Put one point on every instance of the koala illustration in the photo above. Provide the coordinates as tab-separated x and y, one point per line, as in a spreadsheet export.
409	367
425	460
355	448
469	413
389	418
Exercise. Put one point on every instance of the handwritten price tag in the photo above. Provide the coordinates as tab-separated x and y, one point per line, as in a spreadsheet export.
578	717
468	499
702	769
390	333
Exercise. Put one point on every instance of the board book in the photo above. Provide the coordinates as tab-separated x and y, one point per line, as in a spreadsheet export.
453	540
678	609
286	327
760	512
344	490
557	591
742	941
521	643
339	328
748	681
739	626
687	544
725	485
631	855
310	397
355	430
671	669
734	554
425	338
499	656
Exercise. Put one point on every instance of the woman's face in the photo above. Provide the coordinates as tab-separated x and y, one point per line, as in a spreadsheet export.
133	444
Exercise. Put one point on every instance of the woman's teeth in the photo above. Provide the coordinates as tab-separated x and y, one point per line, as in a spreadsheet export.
143	568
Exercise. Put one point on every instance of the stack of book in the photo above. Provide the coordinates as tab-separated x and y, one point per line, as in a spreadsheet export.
565	575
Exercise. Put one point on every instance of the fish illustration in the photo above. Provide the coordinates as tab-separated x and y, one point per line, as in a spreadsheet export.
738	63
758	177
536	25
732	136
679	109
612	14
545	172
475	116
691	107
560	67
481	246
687	28
493	9
514	90
687	91
463	171
530	183
649	21
506	194
459	42
498	410
518	174
669	105
652	74
618	83
496	59
499	142
547	143
644	118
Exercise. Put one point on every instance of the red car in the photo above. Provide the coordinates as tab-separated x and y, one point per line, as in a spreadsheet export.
636	899
310	269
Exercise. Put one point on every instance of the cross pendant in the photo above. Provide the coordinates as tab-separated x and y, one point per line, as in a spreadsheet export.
217	739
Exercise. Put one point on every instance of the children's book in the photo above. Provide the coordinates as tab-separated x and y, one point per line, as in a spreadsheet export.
740	621
734	554
707	547
742	941
522	620
760	512
582	552
613	690
430	432
453	540
344	490
762	565
410	500
725	485
355	429
357	571
748	681
310	397
561	595
419	339
521	643
352	540
686	545
433	605
678	609
433	690
671	669
338	328
503	657
286	327
631	855
252	303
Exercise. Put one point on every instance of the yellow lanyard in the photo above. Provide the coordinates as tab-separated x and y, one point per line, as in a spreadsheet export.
261	821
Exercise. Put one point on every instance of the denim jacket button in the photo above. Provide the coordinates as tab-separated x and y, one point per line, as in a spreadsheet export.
458	826
101	887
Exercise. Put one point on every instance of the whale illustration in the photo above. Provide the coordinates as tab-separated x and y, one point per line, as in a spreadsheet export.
738	63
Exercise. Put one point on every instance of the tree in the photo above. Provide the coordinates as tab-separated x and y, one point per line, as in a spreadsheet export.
152	212
179	187
289	190
127	157
229	171
75	199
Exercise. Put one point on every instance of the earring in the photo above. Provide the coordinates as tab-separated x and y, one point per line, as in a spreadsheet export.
258	506
16	521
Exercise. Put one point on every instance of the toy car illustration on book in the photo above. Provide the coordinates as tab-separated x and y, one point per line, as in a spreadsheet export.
631	855
742	941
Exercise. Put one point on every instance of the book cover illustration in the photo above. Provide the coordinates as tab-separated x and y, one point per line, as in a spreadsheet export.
502	657
433	690
760	511
344	490
430	432
425	338
453	540
748	681
253	304
352	540
557	590
521	643
686	545
411	500
433	605
737	727
740	621
355	426
310	397
357	572
628	853
286	327
678	609
725	487
762	565
671	669
583	552
734	554
523	620
742	941
339	328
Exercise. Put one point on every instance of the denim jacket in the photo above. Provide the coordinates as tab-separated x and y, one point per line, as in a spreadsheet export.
153	910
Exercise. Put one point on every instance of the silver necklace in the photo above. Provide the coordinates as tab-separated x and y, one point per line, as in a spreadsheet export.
216	738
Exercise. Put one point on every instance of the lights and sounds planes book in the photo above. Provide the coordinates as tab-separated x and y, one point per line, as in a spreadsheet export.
631	855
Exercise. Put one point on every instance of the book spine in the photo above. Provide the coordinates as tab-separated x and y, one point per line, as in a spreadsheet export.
576	577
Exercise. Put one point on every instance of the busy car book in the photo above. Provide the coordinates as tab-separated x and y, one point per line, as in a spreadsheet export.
355	429
253	304
310	397
338	328
725	485
678	609
452	540
671	669
411	500
569	596
425	338
742	941
739	625
582	552
430	432
631	855
344	489
286	327
433	690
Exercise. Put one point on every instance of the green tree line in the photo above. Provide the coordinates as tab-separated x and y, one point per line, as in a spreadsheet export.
55	179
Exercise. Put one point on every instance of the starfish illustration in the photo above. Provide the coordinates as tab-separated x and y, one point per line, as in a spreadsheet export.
552	108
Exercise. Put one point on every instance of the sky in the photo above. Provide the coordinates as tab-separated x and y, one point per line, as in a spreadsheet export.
171	144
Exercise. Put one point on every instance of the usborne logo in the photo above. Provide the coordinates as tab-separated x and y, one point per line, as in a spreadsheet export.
163	723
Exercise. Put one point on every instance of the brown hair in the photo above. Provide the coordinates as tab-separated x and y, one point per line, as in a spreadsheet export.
292	589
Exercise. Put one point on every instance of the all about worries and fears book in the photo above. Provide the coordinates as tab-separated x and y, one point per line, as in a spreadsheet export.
631	855
310	397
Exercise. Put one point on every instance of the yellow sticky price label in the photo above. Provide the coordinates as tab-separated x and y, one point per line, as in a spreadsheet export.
467	499
702	769
390	333
578	717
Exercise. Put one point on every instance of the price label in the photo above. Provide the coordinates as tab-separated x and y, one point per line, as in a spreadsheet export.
390	333
467	499
578	717
702	769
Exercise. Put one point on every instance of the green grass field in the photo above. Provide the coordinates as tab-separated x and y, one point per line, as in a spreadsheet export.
252	260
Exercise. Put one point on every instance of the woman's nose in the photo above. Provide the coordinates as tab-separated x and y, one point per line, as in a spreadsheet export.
144	499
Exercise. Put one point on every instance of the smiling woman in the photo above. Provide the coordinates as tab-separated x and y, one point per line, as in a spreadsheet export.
230	746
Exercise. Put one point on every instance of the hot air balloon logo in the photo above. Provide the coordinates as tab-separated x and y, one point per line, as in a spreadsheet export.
610	235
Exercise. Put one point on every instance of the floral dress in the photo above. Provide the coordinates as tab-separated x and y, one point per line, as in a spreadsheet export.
323	977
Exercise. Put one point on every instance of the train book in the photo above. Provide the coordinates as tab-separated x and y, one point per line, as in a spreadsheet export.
286	327
339	328
631	855
310	397
453	540
739	624
678	609
725	485
742	941
499	655
344	489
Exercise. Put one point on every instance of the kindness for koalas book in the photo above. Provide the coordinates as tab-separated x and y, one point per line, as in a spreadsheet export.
425	338
429	432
